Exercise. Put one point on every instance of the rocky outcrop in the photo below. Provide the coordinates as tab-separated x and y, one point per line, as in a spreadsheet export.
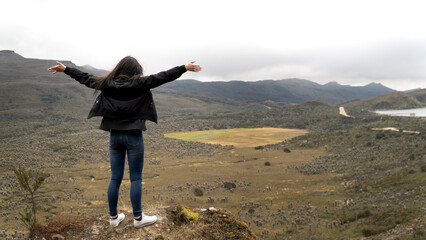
174	222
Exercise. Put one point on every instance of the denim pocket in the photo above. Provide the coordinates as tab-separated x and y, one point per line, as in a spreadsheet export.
134	138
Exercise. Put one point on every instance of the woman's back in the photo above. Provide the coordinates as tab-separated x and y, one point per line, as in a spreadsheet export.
122	89
125	102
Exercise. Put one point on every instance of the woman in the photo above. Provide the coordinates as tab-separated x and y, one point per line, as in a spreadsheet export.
125	102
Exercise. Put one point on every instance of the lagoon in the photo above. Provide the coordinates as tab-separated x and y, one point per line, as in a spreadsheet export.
414	112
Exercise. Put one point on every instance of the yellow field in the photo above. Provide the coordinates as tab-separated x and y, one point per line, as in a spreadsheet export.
239	137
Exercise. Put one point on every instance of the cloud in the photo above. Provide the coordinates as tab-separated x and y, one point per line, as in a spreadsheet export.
245	40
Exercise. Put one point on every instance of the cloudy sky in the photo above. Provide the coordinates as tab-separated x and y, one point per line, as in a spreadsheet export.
349	41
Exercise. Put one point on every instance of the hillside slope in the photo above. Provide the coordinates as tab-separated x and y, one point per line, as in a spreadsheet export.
395	100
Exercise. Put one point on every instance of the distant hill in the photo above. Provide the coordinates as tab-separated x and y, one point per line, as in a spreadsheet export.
412	90
29	91
287	90
395	100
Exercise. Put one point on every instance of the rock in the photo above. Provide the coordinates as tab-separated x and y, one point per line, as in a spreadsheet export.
212	209
94	230
182	215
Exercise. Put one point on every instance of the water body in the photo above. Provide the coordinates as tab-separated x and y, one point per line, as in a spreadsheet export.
415	112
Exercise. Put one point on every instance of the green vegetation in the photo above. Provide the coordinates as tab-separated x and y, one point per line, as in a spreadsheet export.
380	135
182	215
418	234
229	185
70	159
198	192
267	163
30	182
381	222
58	147
348	215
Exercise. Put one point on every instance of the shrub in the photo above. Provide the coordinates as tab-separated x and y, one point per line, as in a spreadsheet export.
368	231
229	185
423	168
373	230
30	181
364	214
60	224
198	192
380	135
251	210
259	148
58	147
267	164
386	220
70	159
418	234
349	215
57	224
286	150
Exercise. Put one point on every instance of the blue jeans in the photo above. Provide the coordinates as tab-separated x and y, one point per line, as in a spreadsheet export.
130	141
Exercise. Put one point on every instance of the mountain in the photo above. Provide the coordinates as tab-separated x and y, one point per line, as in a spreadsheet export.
394	100
29	91
94	70
333	83
30	94
287	90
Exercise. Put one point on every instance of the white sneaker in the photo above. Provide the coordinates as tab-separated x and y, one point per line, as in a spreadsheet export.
115	222
146	220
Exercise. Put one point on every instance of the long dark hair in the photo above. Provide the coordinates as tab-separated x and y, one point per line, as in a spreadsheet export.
128	68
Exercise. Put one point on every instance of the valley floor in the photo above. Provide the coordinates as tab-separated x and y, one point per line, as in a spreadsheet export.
334	184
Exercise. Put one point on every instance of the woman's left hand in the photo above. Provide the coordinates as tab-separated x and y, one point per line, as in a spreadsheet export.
193	67
58	68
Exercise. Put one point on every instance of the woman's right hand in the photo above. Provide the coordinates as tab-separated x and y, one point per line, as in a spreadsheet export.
193	67
58	68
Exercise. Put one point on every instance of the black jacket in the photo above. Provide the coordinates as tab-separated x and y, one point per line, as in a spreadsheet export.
122	102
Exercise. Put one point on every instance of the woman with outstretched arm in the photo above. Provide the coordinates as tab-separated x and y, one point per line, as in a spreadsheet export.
125	102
